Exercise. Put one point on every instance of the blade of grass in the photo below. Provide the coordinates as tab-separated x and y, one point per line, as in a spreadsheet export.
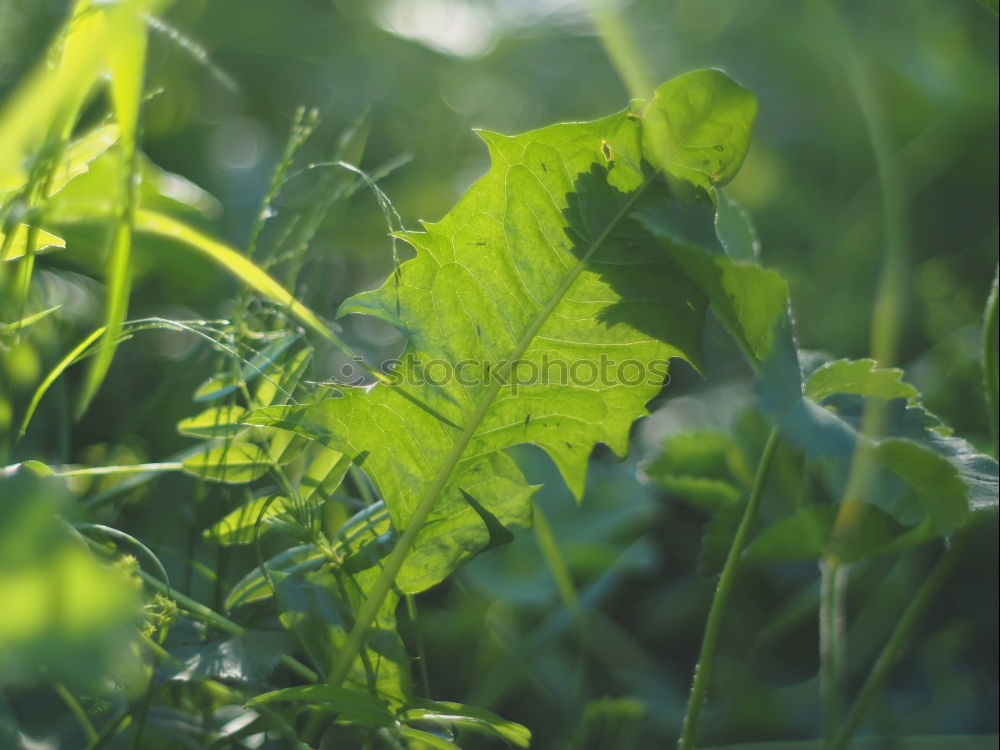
54	374
17	325
129	539
241	267
77	710
557	565
831	641
126	63
48	98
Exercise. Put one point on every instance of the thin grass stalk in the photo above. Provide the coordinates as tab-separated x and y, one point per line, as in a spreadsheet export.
893	648
713	626
832	644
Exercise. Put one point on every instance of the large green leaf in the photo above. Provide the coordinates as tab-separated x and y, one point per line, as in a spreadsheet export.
538	271
538	311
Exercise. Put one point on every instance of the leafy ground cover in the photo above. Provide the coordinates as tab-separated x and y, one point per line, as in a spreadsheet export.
431	514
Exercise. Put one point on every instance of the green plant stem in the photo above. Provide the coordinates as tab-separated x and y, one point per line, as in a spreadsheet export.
224	624
831	641
991	382
394	562
556	563
620	47
894	646
713	626
77	710
112	729
425	679
559	570
890	296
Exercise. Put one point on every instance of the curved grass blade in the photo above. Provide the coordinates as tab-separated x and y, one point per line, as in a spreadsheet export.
54	374
129	539
26	321
126	62
239	266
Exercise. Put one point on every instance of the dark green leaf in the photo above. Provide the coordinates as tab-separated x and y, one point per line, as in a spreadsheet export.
468	716
249	659
352	705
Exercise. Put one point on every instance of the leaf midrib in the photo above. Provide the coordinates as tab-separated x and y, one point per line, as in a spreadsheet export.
369	609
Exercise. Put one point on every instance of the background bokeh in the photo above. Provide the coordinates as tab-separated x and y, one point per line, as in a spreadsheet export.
855	98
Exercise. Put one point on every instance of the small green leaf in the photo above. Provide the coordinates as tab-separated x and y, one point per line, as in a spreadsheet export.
862	377
323	474
697	127
319	608
260	364
284	447
282	379
705	453
802	536
220	421
237	527
233	463
254	585
427	738
710	494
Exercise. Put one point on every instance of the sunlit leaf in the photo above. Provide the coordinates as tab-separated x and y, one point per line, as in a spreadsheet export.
220	421
697	127
237	527
254	586
582	287
18	245
233	462
862	377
